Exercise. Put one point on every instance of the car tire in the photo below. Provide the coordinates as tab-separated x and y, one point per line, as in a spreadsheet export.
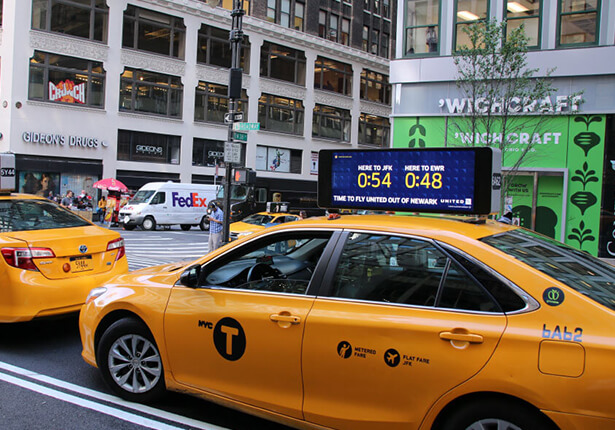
130	362
185	227
204	224
495	413
149	223
129	227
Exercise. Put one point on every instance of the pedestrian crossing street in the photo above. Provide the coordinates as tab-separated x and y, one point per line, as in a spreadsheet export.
150	248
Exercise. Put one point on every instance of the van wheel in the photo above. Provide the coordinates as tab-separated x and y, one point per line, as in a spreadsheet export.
185	227
149	223
204	225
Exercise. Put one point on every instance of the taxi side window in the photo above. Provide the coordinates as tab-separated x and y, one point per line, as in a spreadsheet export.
159	198
402	270
282	263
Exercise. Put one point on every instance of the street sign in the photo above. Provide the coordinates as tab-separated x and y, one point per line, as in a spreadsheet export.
233	117
247	126
232	152
237	135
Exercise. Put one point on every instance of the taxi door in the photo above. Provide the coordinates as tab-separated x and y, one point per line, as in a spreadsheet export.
240	334
378	350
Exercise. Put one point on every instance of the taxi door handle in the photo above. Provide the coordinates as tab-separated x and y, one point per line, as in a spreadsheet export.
285	318
461	337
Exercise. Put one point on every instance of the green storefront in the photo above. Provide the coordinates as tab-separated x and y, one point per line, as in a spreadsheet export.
558	188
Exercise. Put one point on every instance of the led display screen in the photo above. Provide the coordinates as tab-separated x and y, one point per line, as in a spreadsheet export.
441	180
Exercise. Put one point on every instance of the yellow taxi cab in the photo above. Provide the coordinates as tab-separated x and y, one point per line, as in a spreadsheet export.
259	221
51	258
371	322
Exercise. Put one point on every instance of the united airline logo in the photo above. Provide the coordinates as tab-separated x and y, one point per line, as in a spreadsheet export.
67	91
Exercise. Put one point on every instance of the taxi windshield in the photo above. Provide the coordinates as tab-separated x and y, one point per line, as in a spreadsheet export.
238	192
577	269
142	196
258	219
24	215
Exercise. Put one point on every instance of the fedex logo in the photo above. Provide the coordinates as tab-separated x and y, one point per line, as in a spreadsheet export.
193	201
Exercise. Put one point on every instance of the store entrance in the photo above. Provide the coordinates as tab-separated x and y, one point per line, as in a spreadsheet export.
536	200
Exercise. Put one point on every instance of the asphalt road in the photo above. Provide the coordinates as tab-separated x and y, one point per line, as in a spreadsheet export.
44	383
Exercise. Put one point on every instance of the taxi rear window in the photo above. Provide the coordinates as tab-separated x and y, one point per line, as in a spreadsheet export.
24	215
577	269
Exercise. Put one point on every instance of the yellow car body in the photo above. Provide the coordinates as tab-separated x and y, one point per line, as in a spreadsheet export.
51	258
259	221
371	321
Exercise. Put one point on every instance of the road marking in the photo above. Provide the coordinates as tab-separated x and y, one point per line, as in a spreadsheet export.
99	407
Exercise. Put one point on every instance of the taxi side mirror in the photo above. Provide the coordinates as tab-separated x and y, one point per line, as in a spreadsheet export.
190	277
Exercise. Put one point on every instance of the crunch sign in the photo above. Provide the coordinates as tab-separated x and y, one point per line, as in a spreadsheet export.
193	201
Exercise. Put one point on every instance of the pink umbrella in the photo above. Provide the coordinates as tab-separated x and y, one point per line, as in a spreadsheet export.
110	184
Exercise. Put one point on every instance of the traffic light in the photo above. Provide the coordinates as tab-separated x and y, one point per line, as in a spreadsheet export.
244	176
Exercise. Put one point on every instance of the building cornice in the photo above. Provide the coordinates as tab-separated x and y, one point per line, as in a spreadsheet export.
67	45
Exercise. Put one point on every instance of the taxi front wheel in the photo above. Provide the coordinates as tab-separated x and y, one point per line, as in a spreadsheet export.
130	362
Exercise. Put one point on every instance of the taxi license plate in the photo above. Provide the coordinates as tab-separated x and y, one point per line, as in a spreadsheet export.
81	264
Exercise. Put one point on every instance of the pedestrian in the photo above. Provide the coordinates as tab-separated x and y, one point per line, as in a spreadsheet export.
102	207
216	223
506	218
67	201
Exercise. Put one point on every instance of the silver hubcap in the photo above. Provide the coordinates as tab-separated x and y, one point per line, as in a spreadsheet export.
147	224
134	363
493	424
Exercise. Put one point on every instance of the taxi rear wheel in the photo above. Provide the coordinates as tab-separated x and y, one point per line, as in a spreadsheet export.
130	361
488	414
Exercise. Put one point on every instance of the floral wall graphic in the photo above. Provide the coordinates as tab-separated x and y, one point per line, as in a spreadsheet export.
585	164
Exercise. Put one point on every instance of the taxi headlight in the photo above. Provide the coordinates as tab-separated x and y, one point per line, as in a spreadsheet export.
95	293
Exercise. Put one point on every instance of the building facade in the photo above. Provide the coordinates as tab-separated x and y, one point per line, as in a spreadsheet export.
566	187
137	89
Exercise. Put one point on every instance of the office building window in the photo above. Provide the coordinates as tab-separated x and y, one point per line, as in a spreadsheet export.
468	12
60	79
214	48
322	24
148	147
152	93
209	153
365	39
272	159
578	22
155	32
211	102
375	42
331	123
82	18
287	13
526	13
422	26
228	4
345	34
374	130
281	114
386	8
333	28
281	62
333	76
375	87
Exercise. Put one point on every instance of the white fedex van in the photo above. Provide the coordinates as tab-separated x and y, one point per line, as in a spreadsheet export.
168	203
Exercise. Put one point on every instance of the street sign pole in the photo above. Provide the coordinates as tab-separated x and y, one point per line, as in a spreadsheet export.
234	93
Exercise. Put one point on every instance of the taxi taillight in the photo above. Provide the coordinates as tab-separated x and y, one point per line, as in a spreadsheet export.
119	245
23	258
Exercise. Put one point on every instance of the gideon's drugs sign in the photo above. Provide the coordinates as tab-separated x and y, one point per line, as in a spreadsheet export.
60	140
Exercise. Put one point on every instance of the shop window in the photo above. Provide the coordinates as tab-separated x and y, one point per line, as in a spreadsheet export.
214	47
212	102
578	22
148	147
281	114
209	153
526	13
374	130
375	87
331	123
281	62
333	75
287	13
468	12
81	18
66	80
155	32
272	159
422	27
152	93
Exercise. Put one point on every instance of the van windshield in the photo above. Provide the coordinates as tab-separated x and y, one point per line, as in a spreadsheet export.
238	192
142	196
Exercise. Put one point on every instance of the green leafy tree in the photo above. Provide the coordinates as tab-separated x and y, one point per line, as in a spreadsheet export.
505	96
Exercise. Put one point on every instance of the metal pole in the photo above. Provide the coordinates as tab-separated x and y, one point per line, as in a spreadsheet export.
234	92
